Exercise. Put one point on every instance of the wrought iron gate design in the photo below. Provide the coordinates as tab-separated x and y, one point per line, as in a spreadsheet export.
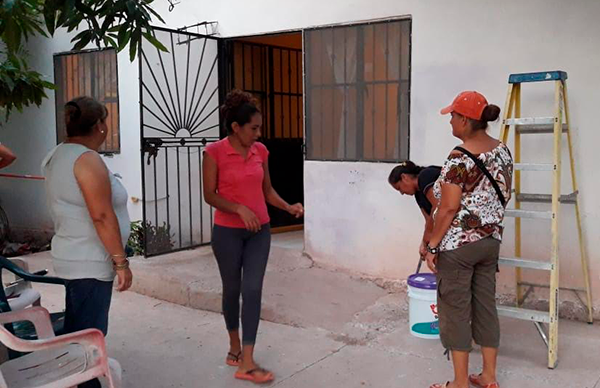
179	102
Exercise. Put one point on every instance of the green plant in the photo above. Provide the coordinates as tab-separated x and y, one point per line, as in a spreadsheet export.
136	238
19	86
158	239
115	23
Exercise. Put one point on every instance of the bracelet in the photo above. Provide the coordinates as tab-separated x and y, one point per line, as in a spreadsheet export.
123	265
120	255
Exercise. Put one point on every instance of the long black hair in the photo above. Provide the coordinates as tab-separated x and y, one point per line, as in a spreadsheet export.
406	167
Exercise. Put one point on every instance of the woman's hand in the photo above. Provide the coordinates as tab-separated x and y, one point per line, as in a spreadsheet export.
431	261
423	249
125	279
250	219
297	210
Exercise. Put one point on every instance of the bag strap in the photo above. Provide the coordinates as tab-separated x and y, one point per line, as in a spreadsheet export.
485	171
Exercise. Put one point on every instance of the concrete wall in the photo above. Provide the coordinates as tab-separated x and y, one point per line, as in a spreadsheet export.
363	225
32	134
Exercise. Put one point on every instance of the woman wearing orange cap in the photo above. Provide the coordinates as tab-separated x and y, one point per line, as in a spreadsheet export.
473	188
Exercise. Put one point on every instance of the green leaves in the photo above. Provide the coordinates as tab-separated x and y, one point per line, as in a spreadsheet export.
115	23
20	86
19	19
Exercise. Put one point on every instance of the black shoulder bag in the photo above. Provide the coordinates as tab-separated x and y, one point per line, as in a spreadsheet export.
485	171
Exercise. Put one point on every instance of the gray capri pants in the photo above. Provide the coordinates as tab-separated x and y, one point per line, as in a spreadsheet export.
467	295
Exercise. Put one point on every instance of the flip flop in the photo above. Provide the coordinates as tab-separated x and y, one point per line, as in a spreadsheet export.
263	376
439	385
475	380
233	359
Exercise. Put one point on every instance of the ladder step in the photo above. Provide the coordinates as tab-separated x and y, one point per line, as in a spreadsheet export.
531	121
547	198
518	213
525	314
534	166
520	263
555	75
536	129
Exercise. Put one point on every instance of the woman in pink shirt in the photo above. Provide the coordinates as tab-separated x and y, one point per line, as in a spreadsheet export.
237	183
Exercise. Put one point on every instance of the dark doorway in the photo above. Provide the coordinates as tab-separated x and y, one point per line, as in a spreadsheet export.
270	67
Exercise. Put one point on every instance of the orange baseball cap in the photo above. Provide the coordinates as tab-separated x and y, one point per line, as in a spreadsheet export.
469	104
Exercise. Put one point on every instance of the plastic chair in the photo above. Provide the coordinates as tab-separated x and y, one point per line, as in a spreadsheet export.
54	362
19	293
26	296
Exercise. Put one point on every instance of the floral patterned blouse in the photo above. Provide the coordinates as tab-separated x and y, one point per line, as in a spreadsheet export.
481	213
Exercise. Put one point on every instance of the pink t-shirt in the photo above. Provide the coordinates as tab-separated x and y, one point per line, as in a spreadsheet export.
240	181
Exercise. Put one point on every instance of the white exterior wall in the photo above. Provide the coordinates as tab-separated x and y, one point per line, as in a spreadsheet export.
354	220
33	133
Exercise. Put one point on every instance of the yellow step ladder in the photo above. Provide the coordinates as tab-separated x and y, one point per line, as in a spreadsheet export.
535	126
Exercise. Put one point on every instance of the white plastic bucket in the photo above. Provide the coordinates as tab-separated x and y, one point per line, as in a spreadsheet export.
422	310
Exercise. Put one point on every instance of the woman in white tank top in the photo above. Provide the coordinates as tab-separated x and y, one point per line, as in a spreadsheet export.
89	208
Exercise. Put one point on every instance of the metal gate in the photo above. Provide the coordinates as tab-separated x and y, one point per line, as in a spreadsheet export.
179	103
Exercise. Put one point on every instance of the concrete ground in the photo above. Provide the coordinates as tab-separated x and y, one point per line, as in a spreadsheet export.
323	329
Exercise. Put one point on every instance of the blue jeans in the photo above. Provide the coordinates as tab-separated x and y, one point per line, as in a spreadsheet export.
87	305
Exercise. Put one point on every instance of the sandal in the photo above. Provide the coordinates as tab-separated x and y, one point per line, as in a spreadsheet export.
233	359
257	375
475	380
439	385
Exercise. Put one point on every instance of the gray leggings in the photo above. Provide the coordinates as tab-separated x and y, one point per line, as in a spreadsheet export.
242	258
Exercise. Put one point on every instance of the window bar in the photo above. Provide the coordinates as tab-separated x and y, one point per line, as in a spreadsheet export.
200	160
299	98
265	105
305	59
373	94
243	67
108	100
187	79
345	93
360	93
400	95
230	56
321	135
101	95
176	81
290	90
178	195
190	194
252	66
281	90
72	89
333	94
117	115
271	53
387	69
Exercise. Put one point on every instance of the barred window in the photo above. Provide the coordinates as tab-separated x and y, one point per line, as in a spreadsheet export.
358	91
88	73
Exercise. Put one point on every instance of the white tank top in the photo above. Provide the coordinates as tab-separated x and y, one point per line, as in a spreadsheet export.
76	248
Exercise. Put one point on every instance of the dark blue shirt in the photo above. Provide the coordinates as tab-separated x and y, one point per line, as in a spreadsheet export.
425	180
